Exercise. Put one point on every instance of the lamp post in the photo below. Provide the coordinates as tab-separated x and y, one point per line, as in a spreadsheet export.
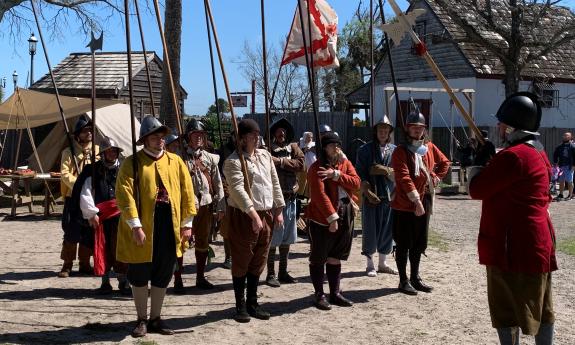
15	80
32	42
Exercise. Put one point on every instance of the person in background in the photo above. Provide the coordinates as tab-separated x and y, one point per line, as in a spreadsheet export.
173	144
564	158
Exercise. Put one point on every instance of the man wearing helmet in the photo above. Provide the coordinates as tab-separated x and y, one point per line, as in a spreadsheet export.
418	166
155	223
173	143
209	191
73	231
377	185
289	160
97	203
516	238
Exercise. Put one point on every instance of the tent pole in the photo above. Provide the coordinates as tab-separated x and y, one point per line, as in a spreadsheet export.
18	149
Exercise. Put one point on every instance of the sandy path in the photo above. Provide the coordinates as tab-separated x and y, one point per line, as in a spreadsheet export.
37	307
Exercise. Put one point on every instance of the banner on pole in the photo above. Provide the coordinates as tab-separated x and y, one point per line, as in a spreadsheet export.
323	36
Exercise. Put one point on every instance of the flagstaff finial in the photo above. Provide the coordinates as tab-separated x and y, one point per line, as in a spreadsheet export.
96	43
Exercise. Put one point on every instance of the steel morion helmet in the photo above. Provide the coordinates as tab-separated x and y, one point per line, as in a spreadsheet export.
170	138
384	122
108	143
83	121
195	126
415	119
149	126
522	111
324	129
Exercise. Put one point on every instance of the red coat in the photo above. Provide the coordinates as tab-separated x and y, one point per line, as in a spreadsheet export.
405	184
516	233
324	197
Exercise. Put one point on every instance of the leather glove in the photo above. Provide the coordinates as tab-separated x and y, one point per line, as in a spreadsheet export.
366	191
378	169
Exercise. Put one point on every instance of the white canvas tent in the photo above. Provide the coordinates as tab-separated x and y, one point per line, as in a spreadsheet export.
27	109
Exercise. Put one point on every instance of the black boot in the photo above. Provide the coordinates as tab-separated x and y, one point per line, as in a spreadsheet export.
334	277
416	282
317	276
239	292
253	307
284	276
271	278
401	262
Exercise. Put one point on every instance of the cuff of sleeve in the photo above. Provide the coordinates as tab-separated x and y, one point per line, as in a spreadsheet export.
336	175
88	214
332	218
249	209
188	222
134	223
413	195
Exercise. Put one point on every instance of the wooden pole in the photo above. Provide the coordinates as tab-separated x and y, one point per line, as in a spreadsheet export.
309	65
144	51
170	75
93	159
56	92
266	86
437	72
131	95
371	67
247	183
214	82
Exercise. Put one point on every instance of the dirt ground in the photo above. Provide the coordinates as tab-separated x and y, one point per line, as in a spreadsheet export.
37	307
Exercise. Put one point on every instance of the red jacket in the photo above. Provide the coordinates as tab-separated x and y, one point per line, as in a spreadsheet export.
324	197
406	185
516	233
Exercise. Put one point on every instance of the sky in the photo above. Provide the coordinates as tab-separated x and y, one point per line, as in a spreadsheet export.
236	21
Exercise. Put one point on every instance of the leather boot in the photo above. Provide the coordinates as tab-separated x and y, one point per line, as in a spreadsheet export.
157	325
252	305
66	269
201	281
271	278
242	315
84	254
317	276
283	276
141	328
179	288
333	273
416	282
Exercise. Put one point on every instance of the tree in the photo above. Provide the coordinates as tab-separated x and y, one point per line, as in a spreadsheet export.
223	105
173	32
292	91
90	14
210	121
517	32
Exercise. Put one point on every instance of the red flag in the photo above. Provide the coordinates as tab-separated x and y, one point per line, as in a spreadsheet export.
323	33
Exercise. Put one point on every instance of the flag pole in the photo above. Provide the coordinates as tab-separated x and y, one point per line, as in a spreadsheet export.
56	92
265	67
131	95
391	70
144	51
282	63
371	68
310	79
214	82
247	184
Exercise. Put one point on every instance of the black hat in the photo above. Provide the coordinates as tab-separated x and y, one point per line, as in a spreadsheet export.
246	126
416	118
283	123
83	121
522	111
484	133
330	138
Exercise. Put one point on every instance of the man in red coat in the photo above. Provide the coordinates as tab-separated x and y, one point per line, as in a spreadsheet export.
516	237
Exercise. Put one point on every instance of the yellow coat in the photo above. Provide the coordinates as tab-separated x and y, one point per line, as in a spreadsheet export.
68	169
174	175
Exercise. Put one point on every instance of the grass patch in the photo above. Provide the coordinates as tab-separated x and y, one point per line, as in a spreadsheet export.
567	246
437	241
145	342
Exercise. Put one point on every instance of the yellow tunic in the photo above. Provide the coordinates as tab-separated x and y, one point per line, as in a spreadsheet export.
174	175
68	168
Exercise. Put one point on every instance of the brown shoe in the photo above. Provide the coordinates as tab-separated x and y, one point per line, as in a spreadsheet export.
65	271
157	325
141	329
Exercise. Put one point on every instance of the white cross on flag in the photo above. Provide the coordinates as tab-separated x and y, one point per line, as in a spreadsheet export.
323	33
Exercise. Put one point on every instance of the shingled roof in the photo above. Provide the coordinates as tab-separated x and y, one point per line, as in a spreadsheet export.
559	64
75	72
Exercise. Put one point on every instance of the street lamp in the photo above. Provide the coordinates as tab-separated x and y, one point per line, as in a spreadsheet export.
15	80
32	42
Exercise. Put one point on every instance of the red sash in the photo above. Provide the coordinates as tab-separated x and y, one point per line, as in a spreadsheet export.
108	209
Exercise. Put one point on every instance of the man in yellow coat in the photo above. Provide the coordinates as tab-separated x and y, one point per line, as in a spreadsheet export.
153	229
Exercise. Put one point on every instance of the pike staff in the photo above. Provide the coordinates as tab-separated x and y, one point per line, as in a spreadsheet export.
265	67
56	92
218	110
144	51
229	96
95	44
